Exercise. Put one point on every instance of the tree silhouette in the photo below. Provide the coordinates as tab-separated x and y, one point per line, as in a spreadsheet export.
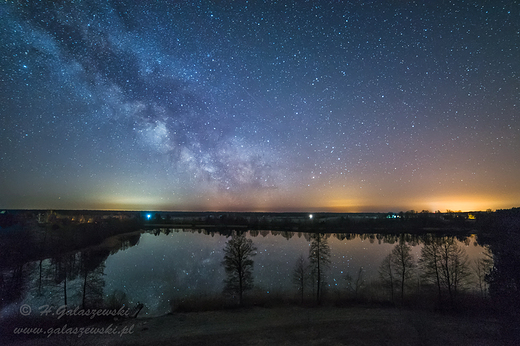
13	284
454	267
355	285
430	264
64	268
92	266
501	230
300	275
238	264
319	258
387	274
482	267
403	263
445	263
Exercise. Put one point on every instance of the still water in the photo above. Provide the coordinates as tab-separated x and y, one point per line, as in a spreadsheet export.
168	265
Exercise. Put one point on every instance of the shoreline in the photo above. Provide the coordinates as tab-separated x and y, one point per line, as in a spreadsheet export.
291	325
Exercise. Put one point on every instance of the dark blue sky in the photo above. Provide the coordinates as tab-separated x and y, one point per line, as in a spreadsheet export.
340	106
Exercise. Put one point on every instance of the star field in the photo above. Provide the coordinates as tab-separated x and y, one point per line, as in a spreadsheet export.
260	105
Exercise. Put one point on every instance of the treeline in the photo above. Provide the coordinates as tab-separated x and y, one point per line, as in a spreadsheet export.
26	240
440	278
443	269
49	278
442	273
380	238
410	221
501	230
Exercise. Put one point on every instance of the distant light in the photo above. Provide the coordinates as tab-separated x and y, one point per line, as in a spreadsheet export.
310	216
148	216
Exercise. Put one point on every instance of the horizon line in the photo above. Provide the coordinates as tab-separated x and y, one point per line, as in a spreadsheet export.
255	211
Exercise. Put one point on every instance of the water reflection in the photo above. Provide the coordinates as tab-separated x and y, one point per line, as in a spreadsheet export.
169	265
160	266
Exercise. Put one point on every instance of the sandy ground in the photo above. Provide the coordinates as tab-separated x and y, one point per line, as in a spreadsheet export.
288	326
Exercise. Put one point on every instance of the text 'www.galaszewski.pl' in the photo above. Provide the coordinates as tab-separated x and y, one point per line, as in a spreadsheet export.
47	310
79	331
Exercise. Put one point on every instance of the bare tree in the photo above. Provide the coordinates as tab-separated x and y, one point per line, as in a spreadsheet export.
355	285
454	267
91	268
482	267
319	258
300	275
238	264
403	263
445	263
387	274
430	264
64	268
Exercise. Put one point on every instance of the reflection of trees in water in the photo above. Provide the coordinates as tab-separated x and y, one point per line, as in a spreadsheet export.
72	279
61	271
26	241
64	278
454	271
92	266
125	241
29	241
76	278
55	280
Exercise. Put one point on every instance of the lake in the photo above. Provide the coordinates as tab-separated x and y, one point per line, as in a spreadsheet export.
160	266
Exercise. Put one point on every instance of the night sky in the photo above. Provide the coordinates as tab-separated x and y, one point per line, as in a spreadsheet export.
260	105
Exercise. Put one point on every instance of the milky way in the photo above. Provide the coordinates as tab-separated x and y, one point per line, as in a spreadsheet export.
260	105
